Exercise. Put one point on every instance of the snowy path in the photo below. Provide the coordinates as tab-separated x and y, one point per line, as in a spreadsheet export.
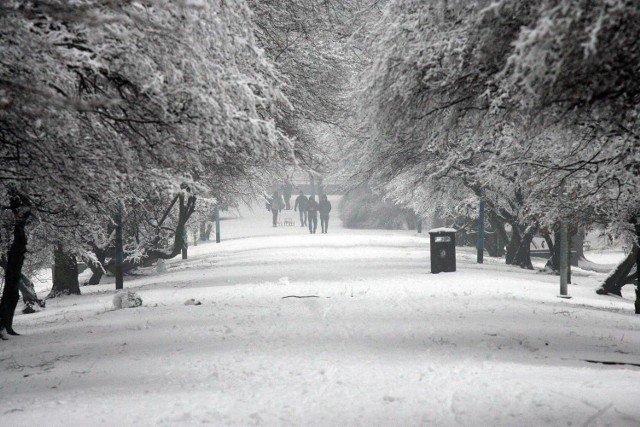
382	342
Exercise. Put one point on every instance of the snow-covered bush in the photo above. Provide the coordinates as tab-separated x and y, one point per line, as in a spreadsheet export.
361	208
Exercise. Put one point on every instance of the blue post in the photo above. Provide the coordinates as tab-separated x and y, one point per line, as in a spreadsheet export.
564	259
216	214
480	245
119	250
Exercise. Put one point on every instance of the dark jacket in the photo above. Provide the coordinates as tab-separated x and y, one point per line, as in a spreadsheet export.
312	207
301	202
324	207
287	188
277	203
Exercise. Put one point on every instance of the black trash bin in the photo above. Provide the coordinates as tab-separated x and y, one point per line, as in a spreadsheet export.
443	250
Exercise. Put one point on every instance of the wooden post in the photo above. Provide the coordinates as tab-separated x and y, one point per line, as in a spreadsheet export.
119	250
480	243
216	214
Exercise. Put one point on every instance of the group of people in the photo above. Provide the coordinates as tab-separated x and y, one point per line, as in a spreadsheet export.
309	210
307	207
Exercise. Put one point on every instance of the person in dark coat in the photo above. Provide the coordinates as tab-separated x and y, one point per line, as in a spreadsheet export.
324	207
287	189
276	206
312	214
302	203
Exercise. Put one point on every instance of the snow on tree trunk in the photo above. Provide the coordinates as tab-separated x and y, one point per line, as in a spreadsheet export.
96	266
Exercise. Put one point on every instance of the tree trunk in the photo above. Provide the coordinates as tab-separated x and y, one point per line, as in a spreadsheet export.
513	245
577	242
96	268
205	230
501	237
576	252
437	220
411	219
553	263
65	274
320	187
186	207
621	275
491	243
15	259
185	244
519	248
312	183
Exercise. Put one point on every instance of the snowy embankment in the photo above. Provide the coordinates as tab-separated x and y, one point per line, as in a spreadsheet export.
348	328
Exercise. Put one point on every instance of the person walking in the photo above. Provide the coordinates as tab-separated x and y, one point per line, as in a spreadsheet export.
287	189
276	206
302	203
324	207
312	214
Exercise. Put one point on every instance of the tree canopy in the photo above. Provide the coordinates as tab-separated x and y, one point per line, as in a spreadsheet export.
100	97
531	105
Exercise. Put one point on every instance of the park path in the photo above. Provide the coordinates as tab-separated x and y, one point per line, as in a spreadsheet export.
347	328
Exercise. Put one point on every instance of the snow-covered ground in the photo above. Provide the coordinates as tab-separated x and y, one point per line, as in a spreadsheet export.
373	340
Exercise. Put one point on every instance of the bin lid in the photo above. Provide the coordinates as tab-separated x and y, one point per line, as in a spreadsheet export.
442	230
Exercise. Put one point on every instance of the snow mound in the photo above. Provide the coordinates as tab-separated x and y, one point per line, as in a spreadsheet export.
283	281
126	299
161	266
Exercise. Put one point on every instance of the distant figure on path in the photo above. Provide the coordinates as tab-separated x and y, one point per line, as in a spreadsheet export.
276	206
287	189
302	203
267	200
313	215
324	207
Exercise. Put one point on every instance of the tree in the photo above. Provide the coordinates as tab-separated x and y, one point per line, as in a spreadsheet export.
95	95
427	122
483	95
587	83
65	273
307	41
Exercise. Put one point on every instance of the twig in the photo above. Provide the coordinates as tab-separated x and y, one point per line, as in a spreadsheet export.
301	296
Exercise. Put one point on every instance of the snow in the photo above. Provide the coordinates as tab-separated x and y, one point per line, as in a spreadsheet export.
373	339
442	230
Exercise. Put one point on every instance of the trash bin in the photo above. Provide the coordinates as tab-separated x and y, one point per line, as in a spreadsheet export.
443	249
